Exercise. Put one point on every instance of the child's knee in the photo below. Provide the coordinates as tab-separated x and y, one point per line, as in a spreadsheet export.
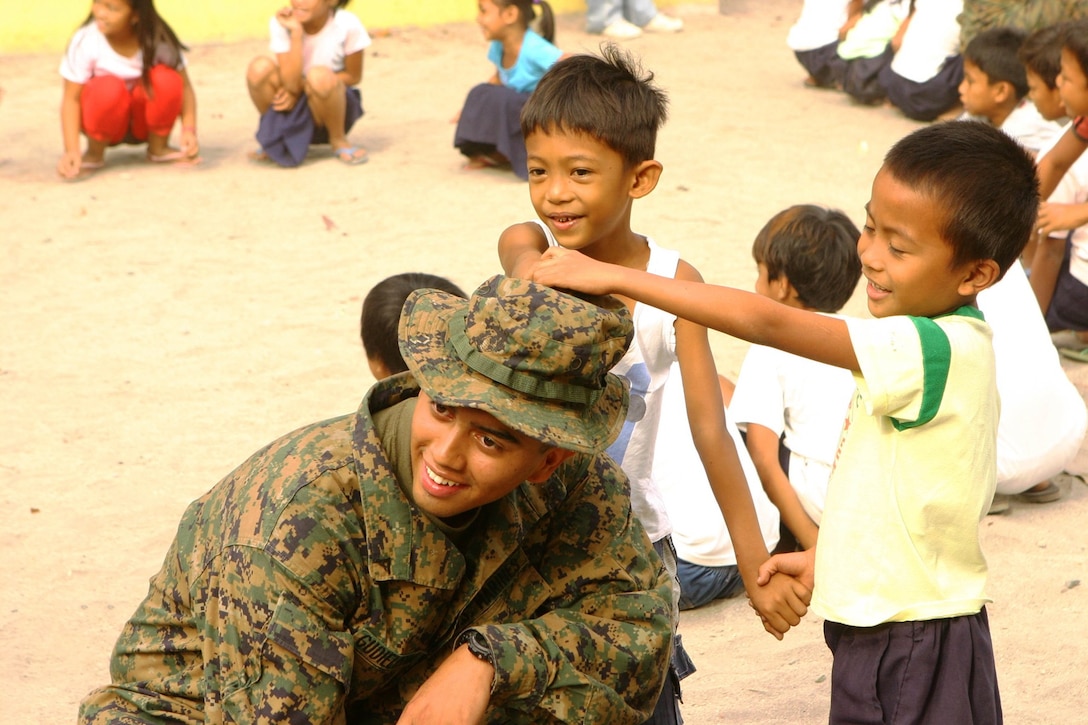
322	81
261	70
165	82
106	90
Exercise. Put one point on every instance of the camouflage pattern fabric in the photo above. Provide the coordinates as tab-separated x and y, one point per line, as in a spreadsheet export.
306	588
1027	15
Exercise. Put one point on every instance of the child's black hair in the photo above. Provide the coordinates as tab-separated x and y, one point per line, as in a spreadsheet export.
982	180
608	97
380	317
996	53
816	249
1075	40
1041	53
158	41
527	13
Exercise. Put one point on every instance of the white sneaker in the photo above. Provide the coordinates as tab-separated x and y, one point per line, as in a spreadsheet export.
663	23
622	30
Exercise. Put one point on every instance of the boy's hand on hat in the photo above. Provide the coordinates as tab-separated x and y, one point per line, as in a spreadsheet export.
567	269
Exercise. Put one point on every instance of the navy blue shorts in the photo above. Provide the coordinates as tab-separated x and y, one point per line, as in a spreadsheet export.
1069	306
934	671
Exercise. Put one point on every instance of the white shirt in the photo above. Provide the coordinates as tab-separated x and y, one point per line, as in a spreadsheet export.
818	24
1073	189
931	38
89	55
340	37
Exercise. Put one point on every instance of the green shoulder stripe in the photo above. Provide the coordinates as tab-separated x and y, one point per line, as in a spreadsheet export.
936	357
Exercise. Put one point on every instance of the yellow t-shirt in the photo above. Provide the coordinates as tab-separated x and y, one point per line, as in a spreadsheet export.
914	474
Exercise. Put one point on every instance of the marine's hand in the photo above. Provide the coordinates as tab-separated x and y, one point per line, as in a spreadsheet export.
568	269
68	166
456	694
780	603
1060	217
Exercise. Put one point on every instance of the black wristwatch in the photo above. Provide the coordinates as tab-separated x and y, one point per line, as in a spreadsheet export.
477	645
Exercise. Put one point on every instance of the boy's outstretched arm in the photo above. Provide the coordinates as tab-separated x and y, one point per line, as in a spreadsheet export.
783	602
746	315
520	247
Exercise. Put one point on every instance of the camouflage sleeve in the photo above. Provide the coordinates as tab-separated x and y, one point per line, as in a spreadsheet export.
599	649
239	628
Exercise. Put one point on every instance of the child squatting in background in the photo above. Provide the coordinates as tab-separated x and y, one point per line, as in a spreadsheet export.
488	126
898	571
124	82
307	94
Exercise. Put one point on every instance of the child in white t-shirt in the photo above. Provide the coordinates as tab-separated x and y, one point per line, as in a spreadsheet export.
307	94
807	259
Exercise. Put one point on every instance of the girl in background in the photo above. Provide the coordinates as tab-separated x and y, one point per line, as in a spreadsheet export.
307	94
125	82
489	125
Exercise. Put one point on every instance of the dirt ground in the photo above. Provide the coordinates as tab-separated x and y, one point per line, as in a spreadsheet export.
160	324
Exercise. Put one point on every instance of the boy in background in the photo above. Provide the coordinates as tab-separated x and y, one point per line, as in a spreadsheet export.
380	318
898	571
807	259
590	130
995	88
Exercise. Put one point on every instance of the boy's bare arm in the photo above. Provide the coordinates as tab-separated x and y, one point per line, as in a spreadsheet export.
1058	160
520	247
763	446
746	315
785	602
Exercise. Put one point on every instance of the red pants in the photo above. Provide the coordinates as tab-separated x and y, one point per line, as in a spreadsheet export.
111	112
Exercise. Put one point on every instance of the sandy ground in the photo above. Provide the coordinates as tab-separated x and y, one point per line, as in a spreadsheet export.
160	324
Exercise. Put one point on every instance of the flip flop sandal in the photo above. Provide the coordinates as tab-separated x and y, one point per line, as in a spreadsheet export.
350	155
1051	493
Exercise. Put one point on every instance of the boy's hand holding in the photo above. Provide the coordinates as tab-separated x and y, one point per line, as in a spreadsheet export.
780	600
799	568
1060	217
564	268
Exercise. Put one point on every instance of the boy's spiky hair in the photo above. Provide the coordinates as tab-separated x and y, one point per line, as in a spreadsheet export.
608	97
1041	53
816	249
996	53
981	179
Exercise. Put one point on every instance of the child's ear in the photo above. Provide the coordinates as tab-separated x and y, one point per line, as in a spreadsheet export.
978	276
645	180
1003	91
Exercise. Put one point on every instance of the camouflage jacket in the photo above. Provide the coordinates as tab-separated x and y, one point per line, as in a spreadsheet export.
305	587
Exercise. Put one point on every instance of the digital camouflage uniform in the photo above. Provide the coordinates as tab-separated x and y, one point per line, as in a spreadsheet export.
1027	15
306	588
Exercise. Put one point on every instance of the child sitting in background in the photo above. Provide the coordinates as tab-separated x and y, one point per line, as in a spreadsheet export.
706	562
380	318
307	94
873	38
807	259
488	126
923	77
995	88
1059	269
125	81
814	38
900	578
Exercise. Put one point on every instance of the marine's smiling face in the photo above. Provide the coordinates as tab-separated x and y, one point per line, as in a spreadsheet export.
464	458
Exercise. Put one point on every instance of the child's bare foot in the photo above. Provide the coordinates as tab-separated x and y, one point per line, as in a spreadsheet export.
486	161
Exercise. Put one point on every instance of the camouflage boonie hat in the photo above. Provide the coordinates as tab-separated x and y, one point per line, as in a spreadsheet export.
535	358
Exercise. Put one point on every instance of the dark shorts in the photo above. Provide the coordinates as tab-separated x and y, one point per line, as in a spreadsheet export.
823	64
1069	306
929	99
286	136
935	671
